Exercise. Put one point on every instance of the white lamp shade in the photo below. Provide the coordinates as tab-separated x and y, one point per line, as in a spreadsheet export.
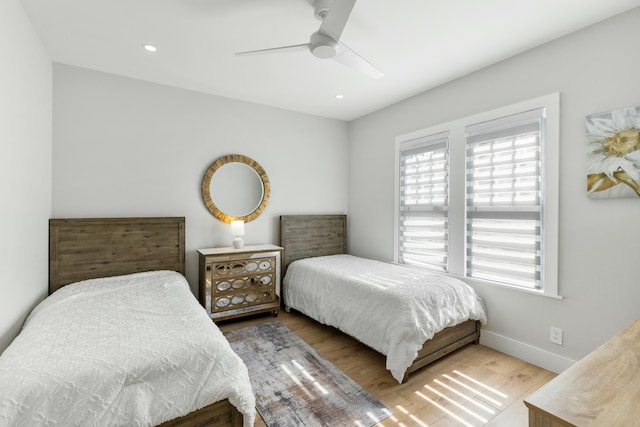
237	228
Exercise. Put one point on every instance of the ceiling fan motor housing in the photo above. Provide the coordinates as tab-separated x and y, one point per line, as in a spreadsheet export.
322	46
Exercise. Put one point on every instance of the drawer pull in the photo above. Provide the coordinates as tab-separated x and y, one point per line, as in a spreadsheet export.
265	265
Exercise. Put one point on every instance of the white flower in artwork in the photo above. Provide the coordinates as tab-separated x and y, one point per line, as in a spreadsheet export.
613	151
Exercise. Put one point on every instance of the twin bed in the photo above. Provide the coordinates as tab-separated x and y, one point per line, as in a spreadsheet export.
121	340
411	316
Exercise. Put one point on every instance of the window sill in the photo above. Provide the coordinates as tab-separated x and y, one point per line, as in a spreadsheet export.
542	293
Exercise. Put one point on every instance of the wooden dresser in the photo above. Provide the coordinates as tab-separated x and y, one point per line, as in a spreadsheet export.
240	282
603	389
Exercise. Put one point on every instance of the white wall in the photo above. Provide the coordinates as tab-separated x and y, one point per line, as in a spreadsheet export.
594	70
124	147
25	168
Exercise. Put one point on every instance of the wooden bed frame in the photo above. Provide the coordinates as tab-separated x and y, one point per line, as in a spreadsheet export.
304	236
88	248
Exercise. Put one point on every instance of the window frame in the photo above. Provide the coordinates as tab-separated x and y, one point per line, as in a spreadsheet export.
425	145
457	190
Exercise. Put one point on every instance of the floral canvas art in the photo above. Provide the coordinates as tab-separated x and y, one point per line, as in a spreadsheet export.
613	154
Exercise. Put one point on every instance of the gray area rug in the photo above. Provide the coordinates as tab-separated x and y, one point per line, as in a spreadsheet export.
295	386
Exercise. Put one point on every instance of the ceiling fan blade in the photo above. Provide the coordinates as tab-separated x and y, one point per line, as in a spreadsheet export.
348	57
336	18
283	49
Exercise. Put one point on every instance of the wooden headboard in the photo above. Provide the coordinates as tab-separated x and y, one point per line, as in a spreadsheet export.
88	248
305	236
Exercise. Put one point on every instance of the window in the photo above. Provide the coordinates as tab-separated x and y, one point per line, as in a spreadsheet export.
504	199
478	197
424	196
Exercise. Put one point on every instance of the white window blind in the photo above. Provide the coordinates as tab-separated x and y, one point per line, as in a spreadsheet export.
504	199
424	196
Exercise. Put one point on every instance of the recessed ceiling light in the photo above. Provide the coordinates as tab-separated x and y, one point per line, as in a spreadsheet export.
339	96
149	47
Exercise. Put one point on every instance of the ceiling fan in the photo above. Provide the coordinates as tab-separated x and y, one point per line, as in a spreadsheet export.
325	43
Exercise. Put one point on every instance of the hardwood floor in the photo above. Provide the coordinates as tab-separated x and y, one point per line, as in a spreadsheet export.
473	386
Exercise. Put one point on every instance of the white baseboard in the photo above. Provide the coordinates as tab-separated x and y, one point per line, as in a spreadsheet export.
526	352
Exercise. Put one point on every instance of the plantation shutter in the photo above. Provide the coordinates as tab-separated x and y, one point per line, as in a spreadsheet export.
504	199
424	197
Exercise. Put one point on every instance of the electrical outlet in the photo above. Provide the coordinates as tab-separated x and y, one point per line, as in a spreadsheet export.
555	335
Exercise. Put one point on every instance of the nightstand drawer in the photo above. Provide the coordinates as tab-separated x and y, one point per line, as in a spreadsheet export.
242	267
241	283
222	302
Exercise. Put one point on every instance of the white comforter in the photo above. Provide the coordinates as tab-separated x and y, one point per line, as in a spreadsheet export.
391	308
134	350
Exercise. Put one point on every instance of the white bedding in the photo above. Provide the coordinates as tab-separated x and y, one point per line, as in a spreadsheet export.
391	308
134	350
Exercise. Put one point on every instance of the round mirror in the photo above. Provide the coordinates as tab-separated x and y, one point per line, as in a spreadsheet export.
235	187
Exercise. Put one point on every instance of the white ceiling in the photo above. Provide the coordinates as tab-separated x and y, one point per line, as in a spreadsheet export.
418	44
